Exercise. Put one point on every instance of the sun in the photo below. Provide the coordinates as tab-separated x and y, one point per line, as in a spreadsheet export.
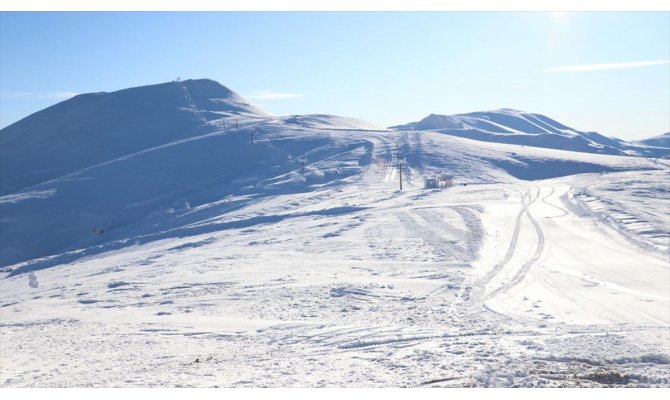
559	15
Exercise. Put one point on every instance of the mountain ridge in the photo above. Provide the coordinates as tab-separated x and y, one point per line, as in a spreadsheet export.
106	170
511	126
662	140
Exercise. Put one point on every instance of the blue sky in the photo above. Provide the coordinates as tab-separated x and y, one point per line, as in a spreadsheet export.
602	71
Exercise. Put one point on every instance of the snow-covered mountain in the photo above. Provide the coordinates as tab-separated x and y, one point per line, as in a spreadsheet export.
662	141
521	128
125	159
90	129
175	234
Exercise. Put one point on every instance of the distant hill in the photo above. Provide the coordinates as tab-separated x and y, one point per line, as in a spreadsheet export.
658	141
521	128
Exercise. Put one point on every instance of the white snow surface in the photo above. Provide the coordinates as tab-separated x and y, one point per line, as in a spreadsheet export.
326	121
204	260
518	127
658	141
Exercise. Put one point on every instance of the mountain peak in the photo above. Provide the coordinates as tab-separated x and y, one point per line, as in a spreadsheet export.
198	94
508	111
206	86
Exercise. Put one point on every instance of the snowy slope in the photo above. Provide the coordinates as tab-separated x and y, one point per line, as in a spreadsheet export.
518	127
218	262
662	141
325	121
93	128
354	285
109	159
135	193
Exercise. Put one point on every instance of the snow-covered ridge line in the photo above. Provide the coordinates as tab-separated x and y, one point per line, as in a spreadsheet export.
528	129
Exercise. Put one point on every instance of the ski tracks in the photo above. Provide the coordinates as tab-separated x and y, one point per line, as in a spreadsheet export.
527	200
523	271
563	211
510	249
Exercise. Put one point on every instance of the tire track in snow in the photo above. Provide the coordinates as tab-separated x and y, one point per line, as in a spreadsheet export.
563	210
527	199
528	264
510	249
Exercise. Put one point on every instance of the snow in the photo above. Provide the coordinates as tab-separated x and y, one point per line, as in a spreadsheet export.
220	264
325	121
588	276
94	128
658	141
528	129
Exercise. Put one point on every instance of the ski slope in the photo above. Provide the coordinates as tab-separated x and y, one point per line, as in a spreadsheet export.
221	264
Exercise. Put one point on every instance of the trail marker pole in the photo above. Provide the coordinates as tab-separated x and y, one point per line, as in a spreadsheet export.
252	135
